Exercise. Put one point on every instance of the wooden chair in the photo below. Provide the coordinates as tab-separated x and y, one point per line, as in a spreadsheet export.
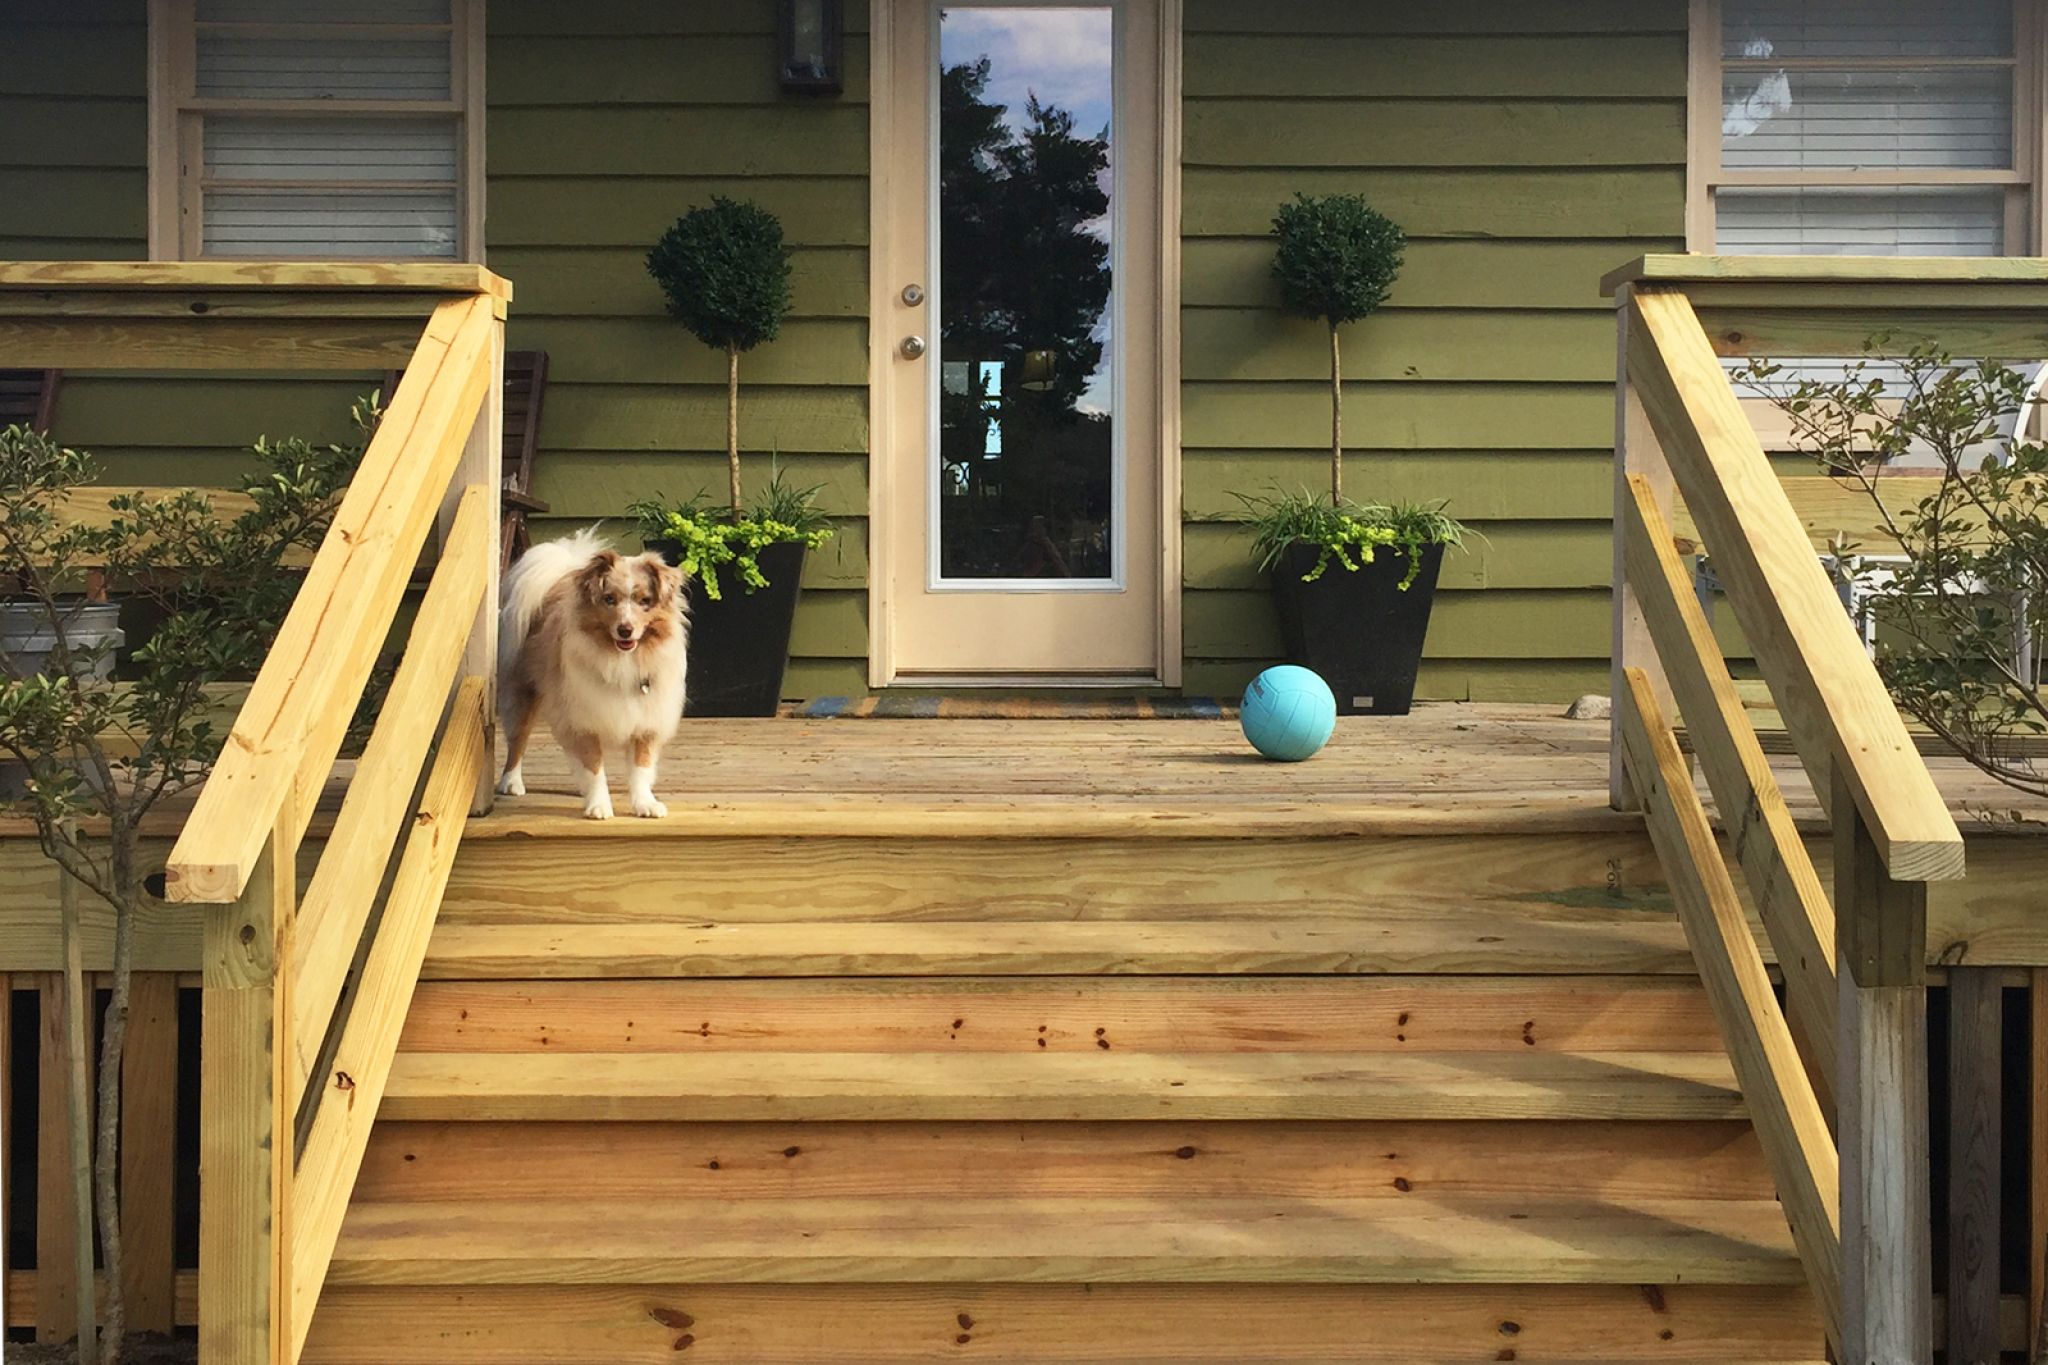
526	383
28	398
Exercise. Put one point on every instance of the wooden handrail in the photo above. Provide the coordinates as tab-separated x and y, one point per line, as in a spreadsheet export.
343	889
284	741
1836	708
1768	847
1790	1124
1855	970
273	984
334	1147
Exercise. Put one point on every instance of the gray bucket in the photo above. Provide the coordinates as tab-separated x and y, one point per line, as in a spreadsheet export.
28	641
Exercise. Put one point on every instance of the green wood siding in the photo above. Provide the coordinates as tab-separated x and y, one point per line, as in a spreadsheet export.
608	120
1526	149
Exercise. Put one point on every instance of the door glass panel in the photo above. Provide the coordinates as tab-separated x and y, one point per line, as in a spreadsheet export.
1024	483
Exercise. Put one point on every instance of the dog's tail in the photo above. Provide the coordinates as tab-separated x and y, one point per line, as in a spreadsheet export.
527	586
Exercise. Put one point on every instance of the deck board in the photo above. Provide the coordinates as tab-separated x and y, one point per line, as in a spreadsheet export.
1447	767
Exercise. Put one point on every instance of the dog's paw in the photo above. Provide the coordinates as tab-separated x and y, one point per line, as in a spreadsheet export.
647	808
512	784
598	807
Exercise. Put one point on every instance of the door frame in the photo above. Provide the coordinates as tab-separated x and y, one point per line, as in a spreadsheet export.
891	118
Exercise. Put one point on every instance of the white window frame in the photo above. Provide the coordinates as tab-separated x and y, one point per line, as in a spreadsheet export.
176	114
2022	182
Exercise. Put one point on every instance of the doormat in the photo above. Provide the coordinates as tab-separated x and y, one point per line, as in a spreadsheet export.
928	707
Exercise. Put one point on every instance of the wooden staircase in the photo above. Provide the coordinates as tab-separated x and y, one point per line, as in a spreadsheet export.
1061	1091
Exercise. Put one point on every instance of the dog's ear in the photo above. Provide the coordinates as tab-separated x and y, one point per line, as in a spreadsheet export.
596	574
668	580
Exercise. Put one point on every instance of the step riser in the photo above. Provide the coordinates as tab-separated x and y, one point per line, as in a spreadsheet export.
1064	1016
1057	1324
770	880
1623	1163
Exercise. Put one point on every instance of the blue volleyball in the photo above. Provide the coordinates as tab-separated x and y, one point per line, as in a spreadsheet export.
1289	713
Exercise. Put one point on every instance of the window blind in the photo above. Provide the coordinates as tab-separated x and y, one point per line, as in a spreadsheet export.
1860	96
1866	28
292	176
231	66
1959	118
1883	222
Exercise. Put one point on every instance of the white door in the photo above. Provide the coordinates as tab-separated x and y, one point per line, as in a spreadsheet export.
1017	453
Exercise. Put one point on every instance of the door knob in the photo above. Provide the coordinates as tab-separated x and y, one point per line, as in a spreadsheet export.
913	347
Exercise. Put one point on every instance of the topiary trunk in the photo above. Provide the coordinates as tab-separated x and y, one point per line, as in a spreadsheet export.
1336	423
732	423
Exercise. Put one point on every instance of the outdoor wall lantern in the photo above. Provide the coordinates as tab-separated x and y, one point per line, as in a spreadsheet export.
810	57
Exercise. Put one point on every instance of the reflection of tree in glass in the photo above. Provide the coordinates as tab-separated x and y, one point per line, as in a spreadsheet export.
1024	279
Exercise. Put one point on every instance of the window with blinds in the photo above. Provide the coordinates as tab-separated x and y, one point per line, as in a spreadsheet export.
314	130
1866	127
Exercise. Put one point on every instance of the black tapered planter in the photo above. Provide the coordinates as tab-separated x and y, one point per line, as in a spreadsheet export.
1358	628
739	644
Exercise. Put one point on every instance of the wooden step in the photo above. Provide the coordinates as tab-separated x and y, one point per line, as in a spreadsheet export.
1483	937
811	1086
1070	1013
1054	1324
1178	872
656	1239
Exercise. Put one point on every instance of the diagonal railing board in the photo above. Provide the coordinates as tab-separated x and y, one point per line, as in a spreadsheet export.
341	1129
284	741
1835	706
1788	893
1787	1116
339	898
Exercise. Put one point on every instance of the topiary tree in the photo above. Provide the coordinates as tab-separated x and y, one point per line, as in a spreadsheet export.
726	273
1337	260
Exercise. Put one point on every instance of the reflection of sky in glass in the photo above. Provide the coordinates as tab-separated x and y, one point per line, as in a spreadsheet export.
1063	56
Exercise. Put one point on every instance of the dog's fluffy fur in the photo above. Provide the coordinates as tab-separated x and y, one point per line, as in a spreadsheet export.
595	644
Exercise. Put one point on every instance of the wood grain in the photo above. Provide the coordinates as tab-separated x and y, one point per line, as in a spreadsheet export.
1834	703
346	1110
1241	1241
423	1162
1782	882
1043	1324
149	1125
1081	1085
1975	1195
350	872
283	742
1794	1132
1187	1015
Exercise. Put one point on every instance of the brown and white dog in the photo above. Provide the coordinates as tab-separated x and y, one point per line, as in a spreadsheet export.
594	643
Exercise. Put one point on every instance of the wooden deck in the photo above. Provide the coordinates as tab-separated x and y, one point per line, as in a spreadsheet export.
1449	765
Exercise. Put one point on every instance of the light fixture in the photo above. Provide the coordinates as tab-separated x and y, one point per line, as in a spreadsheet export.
809	56
1038	371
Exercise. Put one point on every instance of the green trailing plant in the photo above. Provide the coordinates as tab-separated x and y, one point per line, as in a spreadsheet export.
1347	534
101	752
726	274
708	543
1960	596
1336	260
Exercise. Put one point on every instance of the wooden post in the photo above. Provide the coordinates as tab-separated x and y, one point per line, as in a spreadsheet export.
483	463
245	1123
149	1121
58	1285
1881	960
1976	1021
2037	1157
1636	451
